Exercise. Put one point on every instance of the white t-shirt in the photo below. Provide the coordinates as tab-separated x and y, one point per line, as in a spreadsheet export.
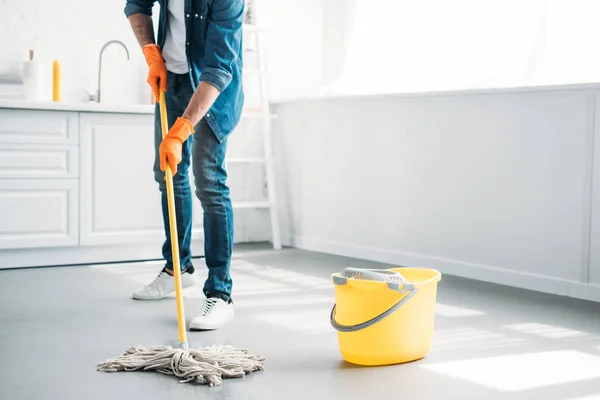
174	48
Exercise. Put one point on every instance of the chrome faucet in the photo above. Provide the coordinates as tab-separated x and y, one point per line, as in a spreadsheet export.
96	97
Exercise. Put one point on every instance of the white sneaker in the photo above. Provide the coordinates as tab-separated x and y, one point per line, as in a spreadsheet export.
162	286
216	313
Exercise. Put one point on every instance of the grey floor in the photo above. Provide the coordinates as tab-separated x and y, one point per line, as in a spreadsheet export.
491	342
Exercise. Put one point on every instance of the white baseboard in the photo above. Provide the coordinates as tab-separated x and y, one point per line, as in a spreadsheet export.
539	283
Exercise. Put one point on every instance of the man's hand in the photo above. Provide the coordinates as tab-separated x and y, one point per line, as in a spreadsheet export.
157	71
170	148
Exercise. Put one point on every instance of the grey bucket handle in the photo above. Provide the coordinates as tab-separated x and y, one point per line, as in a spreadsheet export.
401	288
381	275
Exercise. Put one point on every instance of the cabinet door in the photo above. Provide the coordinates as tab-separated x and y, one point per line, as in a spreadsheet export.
38	213
38	161
38	126
120	201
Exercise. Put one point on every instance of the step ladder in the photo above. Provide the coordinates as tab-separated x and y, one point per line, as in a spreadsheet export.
253	34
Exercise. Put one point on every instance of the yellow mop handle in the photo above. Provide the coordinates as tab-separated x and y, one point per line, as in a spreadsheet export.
173	226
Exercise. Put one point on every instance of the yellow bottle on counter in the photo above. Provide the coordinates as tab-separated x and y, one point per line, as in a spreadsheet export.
56	81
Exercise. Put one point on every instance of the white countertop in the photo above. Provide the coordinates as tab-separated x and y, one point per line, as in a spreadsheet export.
86	107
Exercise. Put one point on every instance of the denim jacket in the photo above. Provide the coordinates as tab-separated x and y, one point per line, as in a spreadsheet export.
214	52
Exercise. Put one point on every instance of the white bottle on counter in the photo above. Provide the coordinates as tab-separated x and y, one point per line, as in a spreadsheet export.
32	78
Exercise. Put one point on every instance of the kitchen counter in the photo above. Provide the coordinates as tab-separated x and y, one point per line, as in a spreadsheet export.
72	191
84	107
77	186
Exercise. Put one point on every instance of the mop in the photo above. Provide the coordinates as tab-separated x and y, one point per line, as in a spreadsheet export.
206	365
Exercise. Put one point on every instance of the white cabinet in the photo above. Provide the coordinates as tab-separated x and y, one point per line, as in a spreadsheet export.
39	202
75	185
38	213
120	200
21	160
38	126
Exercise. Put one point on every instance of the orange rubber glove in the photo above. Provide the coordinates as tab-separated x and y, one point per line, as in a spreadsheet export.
170	148
157	69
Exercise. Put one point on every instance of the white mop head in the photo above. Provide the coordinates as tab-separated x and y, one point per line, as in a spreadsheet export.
208	365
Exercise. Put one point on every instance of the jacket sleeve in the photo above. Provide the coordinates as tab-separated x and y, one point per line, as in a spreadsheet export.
139	6
223	42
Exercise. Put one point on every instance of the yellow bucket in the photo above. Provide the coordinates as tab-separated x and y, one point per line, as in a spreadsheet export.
384	316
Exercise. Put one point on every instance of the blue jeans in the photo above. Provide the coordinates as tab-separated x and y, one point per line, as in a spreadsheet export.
206	155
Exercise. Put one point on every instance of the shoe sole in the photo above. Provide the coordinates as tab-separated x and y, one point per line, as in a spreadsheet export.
201	327
138	297
134	297
205	328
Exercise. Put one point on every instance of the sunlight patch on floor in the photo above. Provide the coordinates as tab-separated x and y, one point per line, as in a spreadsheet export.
315	321
547	331
451	339
295	278
126	269
249	278
523	371
244	285
244	266
257	291
445	310
284	301
243	282
246	281
141	273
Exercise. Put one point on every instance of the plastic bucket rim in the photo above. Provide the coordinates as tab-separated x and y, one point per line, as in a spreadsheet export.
379	285
437	276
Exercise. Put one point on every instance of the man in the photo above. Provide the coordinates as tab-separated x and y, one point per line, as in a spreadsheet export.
197	61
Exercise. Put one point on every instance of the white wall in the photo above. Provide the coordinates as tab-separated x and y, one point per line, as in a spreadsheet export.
491	186
73	32
306	43
339	21
294	45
